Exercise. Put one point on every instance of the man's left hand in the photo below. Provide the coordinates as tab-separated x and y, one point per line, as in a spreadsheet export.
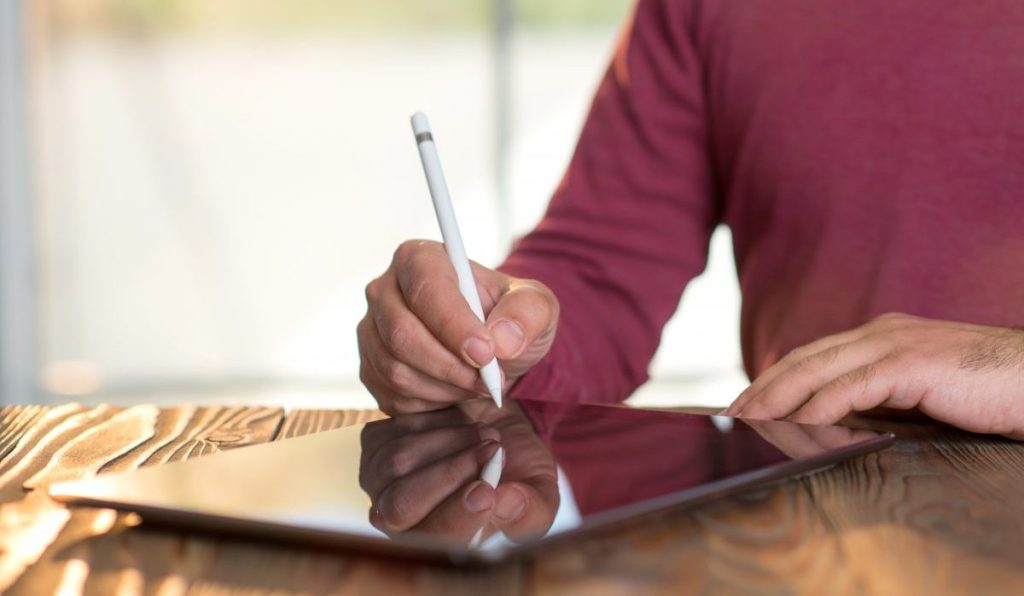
970	376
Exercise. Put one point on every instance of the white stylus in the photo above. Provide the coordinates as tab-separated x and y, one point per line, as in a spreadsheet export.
491	474
490	372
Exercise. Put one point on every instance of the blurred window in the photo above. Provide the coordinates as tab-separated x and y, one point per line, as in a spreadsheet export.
216	182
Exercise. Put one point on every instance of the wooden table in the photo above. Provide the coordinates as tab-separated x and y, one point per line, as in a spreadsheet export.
940	512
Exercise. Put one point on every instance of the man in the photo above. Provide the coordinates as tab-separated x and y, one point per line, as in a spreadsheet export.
869	159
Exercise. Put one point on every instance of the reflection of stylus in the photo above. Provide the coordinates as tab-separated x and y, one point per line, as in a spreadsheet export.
491	474
489	372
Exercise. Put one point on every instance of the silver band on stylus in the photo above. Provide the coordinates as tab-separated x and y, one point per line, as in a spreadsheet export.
424	136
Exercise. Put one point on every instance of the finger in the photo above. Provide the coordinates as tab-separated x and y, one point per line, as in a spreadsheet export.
409	341
834	437
862	389
523	320
780	367
525	510
793	387
880	325
403	379
408	500
401	456
791	439
390	402
430	289
462	514
804	440
394	454
376	433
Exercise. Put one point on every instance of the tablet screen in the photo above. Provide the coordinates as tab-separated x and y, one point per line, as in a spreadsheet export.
421	484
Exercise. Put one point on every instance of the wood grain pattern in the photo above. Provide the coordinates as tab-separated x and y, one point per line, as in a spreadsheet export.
941	512
304	422
14	422
73	441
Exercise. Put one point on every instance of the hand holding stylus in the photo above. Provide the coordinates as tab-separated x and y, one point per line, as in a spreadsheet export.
423	347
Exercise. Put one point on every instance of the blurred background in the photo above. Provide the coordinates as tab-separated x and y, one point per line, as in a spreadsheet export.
195	193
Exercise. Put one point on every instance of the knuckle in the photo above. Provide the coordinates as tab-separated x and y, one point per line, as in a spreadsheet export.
905	361
892	320
361	336
364	479
397	337
803	365
368	377
859	377
401	460
397	510
413	260
405	251
372	291
399	375
419	258
794	356
899	357
531	285
418	290
541	300
828	355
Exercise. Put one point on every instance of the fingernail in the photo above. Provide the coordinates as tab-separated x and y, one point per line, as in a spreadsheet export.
488	433
510	505
478	351
479	497
508	338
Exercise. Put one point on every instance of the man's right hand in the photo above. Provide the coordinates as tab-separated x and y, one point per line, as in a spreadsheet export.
422	347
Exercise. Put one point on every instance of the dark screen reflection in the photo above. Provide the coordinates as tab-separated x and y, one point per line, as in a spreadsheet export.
637	456
422	471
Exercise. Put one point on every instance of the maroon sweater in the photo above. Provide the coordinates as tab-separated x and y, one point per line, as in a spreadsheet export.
868	157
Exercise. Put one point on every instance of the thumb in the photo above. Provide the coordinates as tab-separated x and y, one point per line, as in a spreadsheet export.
522	323
523	511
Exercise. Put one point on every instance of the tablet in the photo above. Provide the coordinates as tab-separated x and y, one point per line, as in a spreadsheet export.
411	485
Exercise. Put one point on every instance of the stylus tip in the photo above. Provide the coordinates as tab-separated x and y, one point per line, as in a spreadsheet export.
496	395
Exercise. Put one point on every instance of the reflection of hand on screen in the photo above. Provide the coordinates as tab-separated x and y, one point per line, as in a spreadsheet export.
802	441
422	473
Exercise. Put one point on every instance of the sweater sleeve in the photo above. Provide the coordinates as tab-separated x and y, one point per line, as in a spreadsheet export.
630	223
